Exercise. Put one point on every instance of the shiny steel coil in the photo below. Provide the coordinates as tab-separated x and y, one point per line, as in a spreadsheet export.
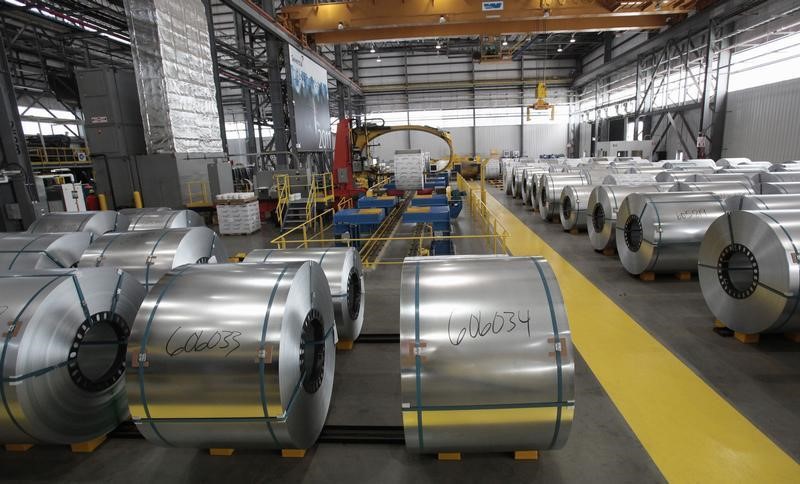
485	355
131	212
574	200
772	177
706	165
549	192
731	162
24	251
764	202
97	223
342	267
719	177
165	219
629	179
676	175
788	166
148	255
602	208
778	188
63	353
723	189
508	178
532	177
596	175
744	170
233	356
661	232
748	270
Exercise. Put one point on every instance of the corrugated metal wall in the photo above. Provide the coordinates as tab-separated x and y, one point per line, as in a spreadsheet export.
541	139
762	123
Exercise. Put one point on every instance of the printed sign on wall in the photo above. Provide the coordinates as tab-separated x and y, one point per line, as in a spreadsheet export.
312	115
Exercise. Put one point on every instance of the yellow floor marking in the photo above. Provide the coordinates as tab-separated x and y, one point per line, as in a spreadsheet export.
690	431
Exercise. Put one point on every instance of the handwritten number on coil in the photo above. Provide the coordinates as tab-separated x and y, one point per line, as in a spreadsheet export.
196	343
477	326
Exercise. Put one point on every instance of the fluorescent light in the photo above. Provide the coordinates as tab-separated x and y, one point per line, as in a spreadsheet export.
16	3
572	39
560	49
505	42
378	59
372	50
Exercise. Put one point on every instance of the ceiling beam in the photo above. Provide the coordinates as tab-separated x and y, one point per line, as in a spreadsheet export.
573	24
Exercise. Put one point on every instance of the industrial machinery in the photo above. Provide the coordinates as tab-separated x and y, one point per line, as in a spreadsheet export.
504	312
352	150
252	366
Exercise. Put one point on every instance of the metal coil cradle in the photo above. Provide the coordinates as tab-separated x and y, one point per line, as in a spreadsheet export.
250	364
62	358
96	223
549	192
723	189
148	255
764	202
24	251
342	267
748	270
603	205
572	211
486	355
662	232
148	219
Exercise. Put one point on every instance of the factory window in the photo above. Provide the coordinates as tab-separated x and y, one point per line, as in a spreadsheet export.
766	63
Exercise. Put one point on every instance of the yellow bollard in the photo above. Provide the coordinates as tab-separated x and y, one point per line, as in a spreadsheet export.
137	200
101	199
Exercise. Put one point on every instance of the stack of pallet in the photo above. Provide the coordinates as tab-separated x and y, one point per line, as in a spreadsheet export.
237	213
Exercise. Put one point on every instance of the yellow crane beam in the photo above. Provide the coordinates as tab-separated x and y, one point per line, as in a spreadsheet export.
364	20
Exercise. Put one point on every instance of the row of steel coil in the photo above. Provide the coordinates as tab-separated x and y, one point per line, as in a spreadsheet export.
154	325
734	222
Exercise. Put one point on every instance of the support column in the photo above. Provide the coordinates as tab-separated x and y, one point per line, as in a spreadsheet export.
341	90
247	102
715	91
15	151
215	71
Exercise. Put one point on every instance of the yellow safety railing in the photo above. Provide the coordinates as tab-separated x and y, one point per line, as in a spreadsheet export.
320	190
482	215
64	156
197	194
283	185
311	202
323	187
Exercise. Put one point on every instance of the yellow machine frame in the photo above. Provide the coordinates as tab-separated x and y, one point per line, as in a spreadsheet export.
362	136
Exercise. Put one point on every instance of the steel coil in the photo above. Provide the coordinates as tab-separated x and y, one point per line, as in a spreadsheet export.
486	355
783	167
63	353
719	177
603	205
572	210
342	267
778	188
549	192
661	232
748	270
492	169
234	356
677	175
96	223
723	189
508	178
691	164
24	251
532	177
772	177
731	162
148	255
764	202
629	179
164	219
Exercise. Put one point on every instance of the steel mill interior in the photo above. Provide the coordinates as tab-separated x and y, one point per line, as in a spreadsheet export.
400	241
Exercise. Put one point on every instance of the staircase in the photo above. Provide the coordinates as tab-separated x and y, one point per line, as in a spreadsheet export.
295	213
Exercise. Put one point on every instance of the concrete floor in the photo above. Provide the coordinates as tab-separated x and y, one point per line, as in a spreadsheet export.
759	380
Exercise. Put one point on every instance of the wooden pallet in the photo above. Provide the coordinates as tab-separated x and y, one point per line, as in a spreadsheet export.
574	232
751	338
344	345
609	252
651	276
286	453
80	448
522	455
243	201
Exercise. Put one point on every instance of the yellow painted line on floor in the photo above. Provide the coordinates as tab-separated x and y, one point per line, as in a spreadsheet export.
689	430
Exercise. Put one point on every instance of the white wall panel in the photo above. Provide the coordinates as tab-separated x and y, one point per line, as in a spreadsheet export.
496	138
545	139
761	123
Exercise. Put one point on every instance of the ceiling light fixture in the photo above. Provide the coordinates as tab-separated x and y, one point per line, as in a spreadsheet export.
546	12
572	39
442	19
340	26
438	45
372	50
560	49
505	42
378	59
